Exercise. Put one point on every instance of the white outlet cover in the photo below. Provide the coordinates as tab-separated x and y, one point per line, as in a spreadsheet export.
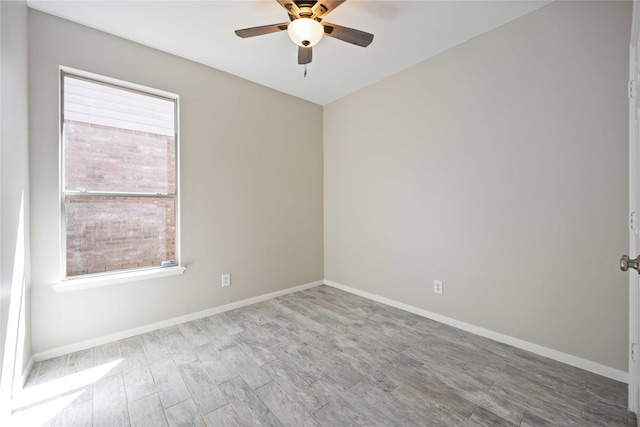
437	287
226	280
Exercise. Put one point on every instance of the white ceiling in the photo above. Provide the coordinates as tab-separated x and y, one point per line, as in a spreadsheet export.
406	32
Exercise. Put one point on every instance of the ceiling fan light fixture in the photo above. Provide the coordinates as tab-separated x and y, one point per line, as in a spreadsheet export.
305	32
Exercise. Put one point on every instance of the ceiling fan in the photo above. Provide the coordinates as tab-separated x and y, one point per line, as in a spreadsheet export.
306	27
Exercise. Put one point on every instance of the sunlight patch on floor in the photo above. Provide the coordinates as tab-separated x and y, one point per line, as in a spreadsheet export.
38	404
43	413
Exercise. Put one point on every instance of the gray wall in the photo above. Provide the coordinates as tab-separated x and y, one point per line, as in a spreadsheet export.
14	190
251	187
499	167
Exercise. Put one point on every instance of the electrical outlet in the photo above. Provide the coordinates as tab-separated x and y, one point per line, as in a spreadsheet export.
437	287
226	280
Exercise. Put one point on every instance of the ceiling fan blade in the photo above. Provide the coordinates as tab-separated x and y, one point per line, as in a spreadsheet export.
349	35
323	7
291	8
304	55
258	31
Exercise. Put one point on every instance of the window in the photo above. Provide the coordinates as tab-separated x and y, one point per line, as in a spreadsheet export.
119	177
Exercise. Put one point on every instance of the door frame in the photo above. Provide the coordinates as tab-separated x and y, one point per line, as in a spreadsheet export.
634	208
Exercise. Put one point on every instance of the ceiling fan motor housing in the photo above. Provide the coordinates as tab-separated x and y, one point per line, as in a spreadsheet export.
306	10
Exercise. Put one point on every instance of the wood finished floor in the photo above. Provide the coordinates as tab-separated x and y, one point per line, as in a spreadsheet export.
320	357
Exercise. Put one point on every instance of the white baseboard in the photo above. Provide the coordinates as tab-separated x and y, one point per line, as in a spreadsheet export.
83	345
569	359
578	362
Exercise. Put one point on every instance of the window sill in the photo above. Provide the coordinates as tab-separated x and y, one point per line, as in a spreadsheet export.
69	285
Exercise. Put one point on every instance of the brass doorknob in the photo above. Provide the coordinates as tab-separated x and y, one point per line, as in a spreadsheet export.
627	263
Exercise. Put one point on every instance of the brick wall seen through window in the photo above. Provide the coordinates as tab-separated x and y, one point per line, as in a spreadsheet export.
119	190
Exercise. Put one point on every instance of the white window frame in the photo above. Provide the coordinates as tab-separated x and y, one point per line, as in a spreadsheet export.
94	280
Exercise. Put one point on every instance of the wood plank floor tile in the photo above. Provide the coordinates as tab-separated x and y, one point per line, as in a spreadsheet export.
597	410
238	318
204	391
170	385
302	365
223	417
368	370
193	333
245	367
138	380
387	405
432	397
302	322
215	334
131	347
184	414
110	403
255	348
331	415
179	348
247	404
52	369
76	415
226	324
531	420
318	357
147	411
285	408
258	313
106	354
80	361
305	394
400	316
342	372
483	418
471	390
363	411
608	391
555	412
333	312
154	347
216	365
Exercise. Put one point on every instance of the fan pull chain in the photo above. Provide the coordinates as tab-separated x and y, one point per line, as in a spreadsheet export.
305	70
